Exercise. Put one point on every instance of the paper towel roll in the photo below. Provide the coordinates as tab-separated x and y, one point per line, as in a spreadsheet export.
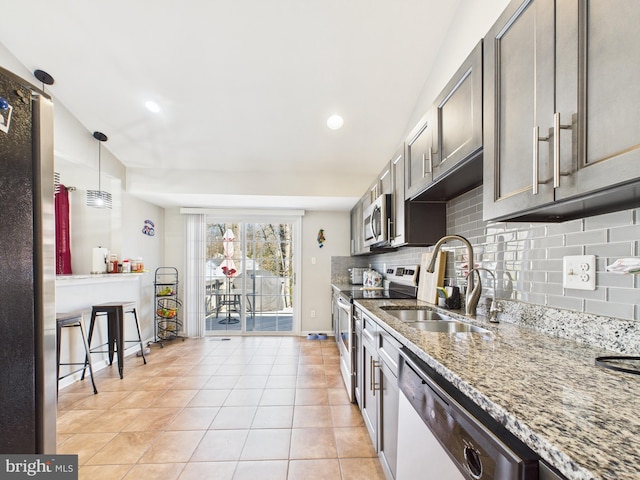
98	260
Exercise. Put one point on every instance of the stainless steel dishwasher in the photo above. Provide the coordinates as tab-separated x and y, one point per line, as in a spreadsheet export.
443	436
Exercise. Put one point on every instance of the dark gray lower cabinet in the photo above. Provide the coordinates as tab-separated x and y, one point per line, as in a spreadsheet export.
357	358
377	377
388	418
370	382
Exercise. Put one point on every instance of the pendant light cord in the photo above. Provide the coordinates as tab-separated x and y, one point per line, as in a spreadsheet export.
99	167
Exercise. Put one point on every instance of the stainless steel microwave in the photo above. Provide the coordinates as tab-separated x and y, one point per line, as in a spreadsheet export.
376	221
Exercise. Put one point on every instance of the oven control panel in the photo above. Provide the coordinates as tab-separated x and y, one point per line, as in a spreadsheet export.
403	274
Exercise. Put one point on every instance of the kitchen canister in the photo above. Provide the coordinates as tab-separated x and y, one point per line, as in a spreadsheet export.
371	278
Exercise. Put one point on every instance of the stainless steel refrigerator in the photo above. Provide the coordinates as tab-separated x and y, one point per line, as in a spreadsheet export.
28	381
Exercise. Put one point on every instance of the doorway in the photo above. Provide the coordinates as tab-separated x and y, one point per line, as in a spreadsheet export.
250	276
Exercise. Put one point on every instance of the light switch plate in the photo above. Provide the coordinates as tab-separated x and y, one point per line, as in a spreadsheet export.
579	272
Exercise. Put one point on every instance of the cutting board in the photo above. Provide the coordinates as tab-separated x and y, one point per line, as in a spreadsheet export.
428	283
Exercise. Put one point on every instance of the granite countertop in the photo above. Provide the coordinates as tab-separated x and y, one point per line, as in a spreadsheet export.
580	418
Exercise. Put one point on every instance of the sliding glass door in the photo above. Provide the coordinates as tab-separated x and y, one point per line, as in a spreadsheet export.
250	276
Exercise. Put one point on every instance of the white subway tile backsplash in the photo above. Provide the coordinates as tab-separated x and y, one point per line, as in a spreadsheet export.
607	279
546	242
584	238
624	295
629	233
597	294
536	298
547	265
554	277
565	227
536	253
559	252
610	250
610	309
607	220
565	302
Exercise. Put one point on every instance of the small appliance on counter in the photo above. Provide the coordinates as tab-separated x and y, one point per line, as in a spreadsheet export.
356	275
99	258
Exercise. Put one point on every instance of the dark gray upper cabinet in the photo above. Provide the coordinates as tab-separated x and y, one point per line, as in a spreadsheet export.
382	185
560	110
419	157
397	198
449	149
357	240
413	222
458	109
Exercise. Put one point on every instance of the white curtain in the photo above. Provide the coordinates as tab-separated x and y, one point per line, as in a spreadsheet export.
194	287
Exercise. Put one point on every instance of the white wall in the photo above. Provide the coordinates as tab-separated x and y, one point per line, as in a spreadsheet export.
472	21
150	248
174	239
316	278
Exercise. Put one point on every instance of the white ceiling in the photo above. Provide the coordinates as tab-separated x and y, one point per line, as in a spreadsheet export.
245	88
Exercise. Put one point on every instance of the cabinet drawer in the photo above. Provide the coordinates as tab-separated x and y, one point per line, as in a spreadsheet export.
369	329
389	351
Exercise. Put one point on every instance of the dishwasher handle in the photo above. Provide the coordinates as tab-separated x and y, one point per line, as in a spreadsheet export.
344	305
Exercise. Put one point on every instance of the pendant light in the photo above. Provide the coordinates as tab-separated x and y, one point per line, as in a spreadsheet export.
44	77
99	198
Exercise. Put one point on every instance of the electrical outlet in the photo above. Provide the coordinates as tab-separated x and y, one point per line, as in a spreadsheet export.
579	272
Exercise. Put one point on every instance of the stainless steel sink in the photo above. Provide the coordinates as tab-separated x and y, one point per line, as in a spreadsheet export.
446	326
417	315
432	321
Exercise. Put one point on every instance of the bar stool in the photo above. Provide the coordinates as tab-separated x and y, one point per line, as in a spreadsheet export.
73	320
115	313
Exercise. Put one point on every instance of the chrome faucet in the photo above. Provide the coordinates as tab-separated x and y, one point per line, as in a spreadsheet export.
471	303
494	309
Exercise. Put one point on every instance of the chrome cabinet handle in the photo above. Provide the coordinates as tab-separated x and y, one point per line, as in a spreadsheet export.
373	385
424	163
557	126
536	168
536	159
556	150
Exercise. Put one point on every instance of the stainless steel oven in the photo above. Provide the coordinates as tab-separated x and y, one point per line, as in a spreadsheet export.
376	221
344	330
403	284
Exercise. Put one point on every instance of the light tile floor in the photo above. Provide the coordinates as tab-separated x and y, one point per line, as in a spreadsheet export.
256	408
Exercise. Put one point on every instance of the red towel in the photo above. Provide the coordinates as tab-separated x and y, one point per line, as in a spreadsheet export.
63	245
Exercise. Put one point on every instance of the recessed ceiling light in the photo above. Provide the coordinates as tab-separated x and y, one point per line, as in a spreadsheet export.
335	122
152	106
